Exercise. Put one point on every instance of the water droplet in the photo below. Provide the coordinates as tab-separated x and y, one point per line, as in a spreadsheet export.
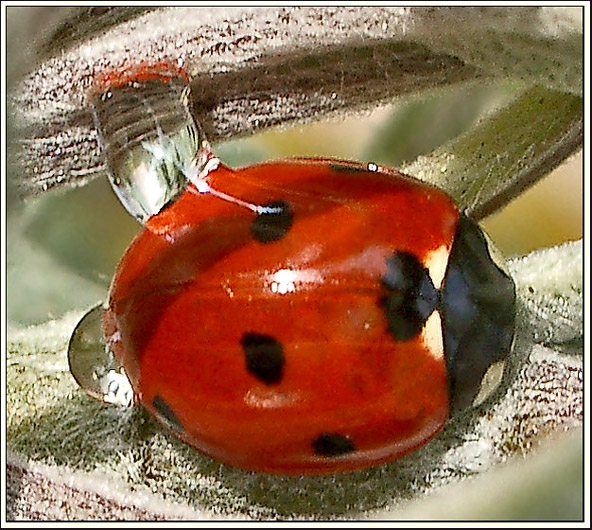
152	144
93	365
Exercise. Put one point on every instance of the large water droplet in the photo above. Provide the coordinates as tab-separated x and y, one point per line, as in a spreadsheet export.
152	144
93	365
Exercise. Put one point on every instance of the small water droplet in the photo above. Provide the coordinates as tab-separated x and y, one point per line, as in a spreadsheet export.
152	144
93	365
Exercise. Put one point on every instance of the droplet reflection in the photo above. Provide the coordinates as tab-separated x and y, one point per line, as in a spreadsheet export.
92	364
152	145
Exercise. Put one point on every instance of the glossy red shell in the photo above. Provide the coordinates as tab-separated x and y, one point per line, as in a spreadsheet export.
195	280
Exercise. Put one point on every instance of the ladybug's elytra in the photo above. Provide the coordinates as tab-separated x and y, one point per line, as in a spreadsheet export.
308	316
334	329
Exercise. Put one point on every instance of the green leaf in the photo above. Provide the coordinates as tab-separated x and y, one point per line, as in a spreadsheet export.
506	152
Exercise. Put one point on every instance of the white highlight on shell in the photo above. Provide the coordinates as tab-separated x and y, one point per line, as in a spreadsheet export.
268	399
370	260
431	336
436	262
286	281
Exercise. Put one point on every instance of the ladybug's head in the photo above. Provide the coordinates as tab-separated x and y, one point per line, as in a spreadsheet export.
478	313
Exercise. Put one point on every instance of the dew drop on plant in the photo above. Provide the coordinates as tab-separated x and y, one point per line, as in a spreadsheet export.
93	365
152	145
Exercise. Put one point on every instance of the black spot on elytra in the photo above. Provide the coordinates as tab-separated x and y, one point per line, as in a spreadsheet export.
410	296
332	445
264	356
347	168
273	224
166	413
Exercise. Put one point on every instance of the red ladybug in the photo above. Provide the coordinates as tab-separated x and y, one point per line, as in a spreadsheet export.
304	316
310	316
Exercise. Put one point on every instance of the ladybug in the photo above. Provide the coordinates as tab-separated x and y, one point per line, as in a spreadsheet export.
309	316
